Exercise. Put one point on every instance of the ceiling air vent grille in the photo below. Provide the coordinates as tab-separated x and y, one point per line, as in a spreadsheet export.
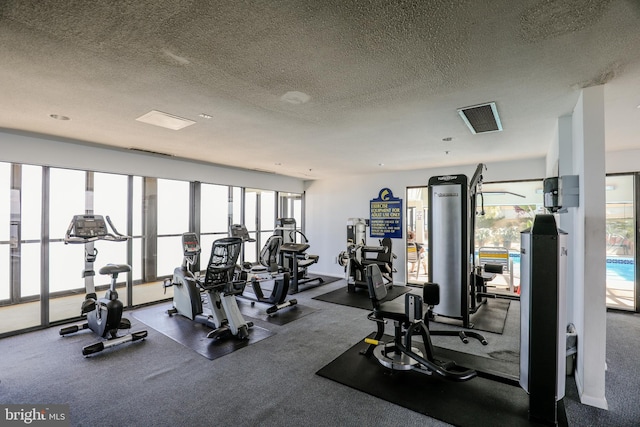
145	151
481	118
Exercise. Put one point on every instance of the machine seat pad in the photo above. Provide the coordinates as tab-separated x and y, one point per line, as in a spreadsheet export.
115	268
294	247
220	286
390	310
306	263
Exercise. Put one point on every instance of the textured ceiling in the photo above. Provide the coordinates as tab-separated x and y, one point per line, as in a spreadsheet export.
314	89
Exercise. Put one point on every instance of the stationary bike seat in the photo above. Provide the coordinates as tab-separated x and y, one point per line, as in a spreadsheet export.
294	247
111	269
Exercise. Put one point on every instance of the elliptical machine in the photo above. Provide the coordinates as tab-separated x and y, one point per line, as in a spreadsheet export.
224	316
269	269
104	315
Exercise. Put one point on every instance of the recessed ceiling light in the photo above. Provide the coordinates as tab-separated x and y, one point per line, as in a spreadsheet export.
205	116
164	120
59	117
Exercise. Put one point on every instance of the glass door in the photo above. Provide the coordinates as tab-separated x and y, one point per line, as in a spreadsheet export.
290	206
259	218
504	210
416	232
621	238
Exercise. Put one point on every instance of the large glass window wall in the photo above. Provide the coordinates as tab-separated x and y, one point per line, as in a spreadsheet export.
41	279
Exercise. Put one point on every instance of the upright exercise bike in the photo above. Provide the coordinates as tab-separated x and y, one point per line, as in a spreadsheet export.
104	315
221	289
267	270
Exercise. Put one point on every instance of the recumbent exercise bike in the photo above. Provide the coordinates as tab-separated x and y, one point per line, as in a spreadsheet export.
218	284
267	270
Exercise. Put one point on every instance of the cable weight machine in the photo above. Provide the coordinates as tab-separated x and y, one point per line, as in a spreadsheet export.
451	225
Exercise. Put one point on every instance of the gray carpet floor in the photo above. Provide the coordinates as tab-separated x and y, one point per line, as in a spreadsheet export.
160	382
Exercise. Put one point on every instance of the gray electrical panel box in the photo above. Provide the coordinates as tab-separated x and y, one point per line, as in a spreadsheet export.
569	191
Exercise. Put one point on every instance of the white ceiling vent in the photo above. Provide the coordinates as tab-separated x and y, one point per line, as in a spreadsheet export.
481	118
155	153
165	120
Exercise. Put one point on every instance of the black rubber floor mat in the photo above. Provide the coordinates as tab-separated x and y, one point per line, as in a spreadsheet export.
490	317
360	298
194	335
280	317
478	402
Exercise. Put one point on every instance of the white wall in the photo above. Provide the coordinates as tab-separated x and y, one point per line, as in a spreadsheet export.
623	161
553	154
330	202
50	151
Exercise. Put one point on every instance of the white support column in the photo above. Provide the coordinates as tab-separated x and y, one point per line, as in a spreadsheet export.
589	269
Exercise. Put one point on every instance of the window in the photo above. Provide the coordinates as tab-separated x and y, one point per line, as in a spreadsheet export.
5	215
214	215
31	225
505	209
110	199
66	199
173	220
621	242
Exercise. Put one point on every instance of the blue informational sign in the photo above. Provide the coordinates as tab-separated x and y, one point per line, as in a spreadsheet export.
385	216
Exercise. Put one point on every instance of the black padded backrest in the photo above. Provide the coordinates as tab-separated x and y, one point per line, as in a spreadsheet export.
387	255
270	252
431	293
222	262
376	285
493	268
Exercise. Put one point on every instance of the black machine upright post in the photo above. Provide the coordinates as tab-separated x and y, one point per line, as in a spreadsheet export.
543	317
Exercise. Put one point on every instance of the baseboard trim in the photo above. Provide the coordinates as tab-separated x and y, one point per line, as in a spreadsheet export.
585	399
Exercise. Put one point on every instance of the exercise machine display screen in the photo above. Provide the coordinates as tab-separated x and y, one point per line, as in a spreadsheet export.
89	226
190	244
